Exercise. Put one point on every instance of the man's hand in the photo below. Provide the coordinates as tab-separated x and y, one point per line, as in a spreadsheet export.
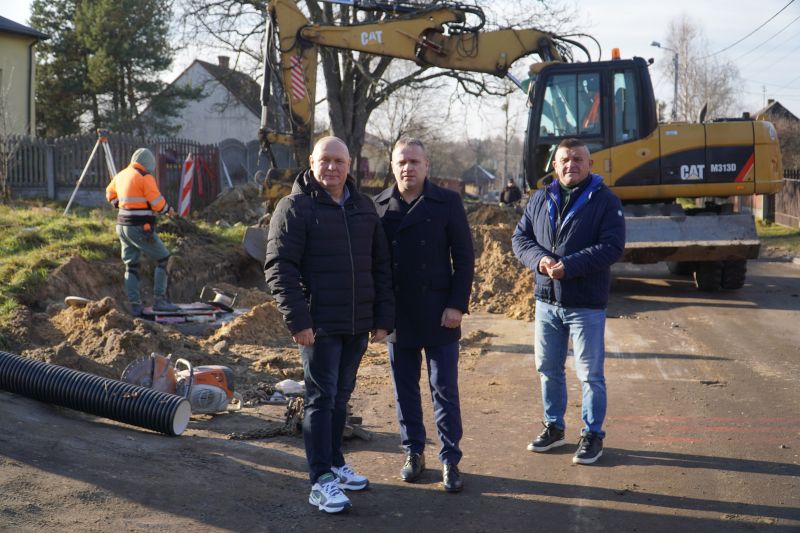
304	337
377	335
545	264
556	271
171	212
451	318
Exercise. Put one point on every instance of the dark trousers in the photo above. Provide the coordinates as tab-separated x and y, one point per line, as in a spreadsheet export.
443	381
330	366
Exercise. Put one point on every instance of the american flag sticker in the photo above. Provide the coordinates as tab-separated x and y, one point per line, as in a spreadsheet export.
298	88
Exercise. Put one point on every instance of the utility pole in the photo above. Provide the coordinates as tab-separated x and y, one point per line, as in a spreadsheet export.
675	89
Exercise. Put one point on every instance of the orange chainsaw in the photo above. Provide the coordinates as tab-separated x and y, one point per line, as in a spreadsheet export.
209	389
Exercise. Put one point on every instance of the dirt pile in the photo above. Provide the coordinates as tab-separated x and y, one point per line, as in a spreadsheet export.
483	214
502	284
242	204
90	279
103	338
263	325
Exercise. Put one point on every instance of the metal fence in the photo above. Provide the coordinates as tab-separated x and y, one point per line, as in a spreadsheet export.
787	202
50	168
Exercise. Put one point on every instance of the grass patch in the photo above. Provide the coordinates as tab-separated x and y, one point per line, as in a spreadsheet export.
36	239
777	236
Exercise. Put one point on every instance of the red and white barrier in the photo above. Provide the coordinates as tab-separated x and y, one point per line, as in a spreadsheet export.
187	180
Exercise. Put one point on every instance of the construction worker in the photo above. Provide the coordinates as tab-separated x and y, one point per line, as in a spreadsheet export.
511	194
135	192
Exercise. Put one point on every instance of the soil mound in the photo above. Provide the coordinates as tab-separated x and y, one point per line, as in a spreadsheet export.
502	284
242	204
262	325
492	214
104	337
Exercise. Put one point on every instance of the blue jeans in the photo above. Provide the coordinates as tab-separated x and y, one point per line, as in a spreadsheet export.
330	366
553	328
443	381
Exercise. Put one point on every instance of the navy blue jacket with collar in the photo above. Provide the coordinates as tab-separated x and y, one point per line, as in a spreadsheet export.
433	263
588	238
327	265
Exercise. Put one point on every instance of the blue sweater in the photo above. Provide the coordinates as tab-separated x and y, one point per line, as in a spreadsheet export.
588	238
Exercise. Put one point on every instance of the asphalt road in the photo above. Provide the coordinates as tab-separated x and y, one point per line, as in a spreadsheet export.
702	435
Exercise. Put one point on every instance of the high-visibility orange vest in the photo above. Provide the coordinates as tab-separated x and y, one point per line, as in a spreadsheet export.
135	192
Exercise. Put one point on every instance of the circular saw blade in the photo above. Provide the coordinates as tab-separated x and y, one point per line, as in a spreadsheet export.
139	372
154	372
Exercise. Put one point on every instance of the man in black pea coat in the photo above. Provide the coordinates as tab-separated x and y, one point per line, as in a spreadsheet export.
433	263
328	267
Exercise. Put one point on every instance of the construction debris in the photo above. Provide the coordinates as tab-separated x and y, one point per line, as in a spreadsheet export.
291	426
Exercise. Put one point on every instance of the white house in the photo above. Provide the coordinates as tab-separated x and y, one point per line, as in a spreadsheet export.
229	109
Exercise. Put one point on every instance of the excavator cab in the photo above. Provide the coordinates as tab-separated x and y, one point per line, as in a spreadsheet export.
648	165
605	104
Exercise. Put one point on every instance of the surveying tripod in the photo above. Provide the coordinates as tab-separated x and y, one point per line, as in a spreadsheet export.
102	140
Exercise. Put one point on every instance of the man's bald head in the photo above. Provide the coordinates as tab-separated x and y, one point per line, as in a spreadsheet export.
330	162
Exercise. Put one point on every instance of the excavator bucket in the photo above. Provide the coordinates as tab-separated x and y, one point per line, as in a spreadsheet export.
255	243
702	237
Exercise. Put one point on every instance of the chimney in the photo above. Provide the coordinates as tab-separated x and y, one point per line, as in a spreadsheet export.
770	101
224	61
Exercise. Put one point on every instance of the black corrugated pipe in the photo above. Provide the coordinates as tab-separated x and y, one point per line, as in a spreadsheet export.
109	398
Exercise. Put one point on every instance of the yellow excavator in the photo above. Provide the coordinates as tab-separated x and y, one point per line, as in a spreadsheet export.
610	105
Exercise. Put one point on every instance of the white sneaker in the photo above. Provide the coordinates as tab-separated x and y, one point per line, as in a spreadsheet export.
348	479
327	496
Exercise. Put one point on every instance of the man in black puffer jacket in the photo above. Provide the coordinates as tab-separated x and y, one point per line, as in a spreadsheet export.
328	267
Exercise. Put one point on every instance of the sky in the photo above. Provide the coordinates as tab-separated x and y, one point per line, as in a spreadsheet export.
768	60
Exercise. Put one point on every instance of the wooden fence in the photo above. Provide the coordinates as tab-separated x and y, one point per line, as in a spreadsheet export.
50	168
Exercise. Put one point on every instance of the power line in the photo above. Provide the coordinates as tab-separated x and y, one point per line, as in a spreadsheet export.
781	58
762	43
795	37
752	32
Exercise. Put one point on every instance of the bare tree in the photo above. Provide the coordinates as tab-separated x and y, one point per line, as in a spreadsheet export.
9	142
789	134
405	114
704	79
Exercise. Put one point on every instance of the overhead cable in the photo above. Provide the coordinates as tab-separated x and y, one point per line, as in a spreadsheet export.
752	32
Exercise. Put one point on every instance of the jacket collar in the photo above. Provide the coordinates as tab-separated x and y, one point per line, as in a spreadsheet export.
430	191
306	183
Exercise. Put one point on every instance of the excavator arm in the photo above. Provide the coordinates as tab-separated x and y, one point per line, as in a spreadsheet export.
435	36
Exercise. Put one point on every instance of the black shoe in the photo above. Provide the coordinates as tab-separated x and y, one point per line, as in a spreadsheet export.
551	437
451	478
590	449
413	467
165	306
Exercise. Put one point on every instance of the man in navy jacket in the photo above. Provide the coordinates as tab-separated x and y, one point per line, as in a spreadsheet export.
432	262
571	233
328	267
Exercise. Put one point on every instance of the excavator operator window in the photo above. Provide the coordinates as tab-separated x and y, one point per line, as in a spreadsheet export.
559	113
589	103
626	116
571	106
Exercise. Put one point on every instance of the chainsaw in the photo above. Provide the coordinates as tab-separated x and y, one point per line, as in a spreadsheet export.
209	389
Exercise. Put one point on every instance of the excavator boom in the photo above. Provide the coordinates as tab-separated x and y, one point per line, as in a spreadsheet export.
433	36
